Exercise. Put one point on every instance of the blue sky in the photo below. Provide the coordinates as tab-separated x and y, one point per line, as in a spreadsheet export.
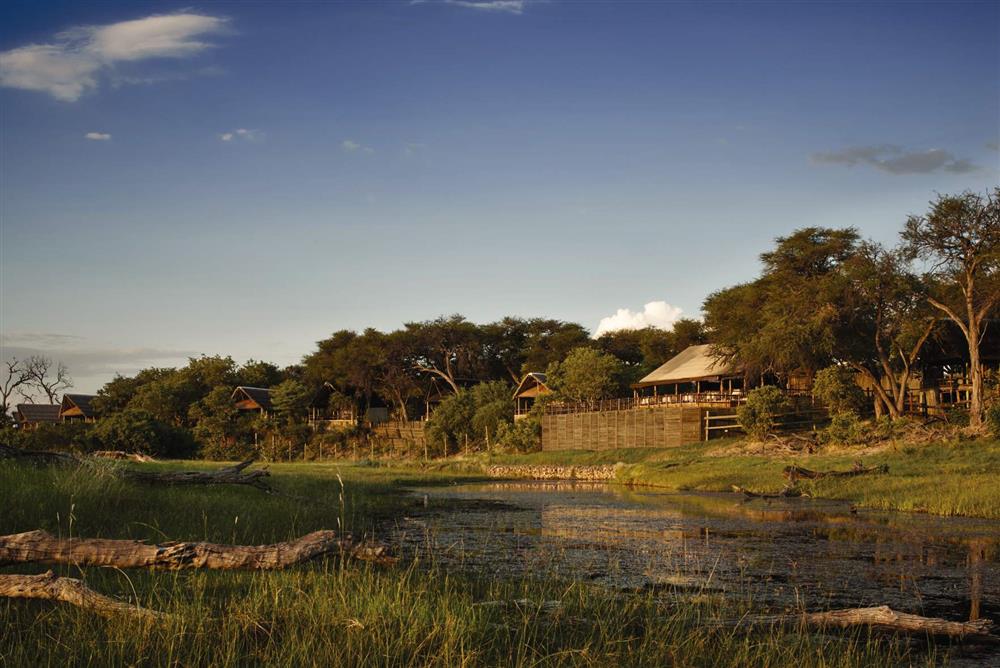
245	178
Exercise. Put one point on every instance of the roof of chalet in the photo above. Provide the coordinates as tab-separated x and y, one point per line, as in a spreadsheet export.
38	412
692	363
80	402
259	395
533	384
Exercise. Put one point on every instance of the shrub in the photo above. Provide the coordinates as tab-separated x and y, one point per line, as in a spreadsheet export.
586	375
836	387
521	436
758	416
59	436
479	414
846	429
138	431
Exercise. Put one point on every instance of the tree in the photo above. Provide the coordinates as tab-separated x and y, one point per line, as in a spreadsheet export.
448	348
46	378
759	415
888	323
790	318
15	376
290	400
960	238
586	375
836	387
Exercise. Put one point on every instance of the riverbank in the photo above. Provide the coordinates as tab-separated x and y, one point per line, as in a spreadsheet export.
959	478
330	613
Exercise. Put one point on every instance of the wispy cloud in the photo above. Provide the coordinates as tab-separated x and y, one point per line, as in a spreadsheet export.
896	160
412	148
98	136
992	145
242	134
351	146
71	64
654	314
498	6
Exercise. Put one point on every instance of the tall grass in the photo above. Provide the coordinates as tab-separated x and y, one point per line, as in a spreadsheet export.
329	613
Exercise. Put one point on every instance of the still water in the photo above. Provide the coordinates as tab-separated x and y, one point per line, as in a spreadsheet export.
782	554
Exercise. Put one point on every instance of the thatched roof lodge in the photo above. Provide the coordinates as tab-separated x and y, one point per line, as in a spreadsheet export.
252	398
693	375
532	386
77	407
28	416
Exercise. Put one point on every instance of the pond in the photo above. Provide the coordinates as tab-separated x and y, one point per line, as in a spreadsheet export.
782	554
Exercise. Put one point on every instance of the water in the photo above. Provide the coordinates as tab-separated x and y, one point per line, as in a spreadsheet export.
787	554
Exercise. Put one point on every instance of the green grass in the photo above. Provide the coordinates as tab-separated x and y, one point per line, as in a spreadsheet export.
943	478
328	613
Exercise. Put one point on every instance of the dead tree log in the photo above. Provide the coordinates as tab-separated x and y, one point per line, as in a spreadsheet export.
121	454
789	491
231	475
793	472
880	617
48	587
43	547
41	457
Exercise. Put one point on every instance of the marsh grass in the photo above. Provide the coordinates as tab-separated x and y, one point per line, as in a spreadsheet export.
960	478
329	613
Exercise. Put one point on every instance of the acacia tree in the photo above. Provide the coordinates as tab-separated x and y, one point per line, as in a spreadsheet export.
889	323
448	348
960	238
48	379
586	375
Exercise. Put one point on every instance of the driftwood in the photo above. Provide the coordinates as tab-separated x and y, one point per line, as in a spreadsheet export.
43	547
787	492
69	590
41	457
881	618
121	454
793	472
231	475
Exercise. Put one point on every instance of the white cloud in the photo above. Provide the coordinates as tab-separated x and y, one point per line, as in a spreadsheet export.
242	133
70	65
654	314
98	136
505	6
351	146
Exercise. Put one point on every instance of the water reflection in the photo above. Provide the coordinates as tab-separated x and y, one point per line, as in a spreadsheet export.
786	553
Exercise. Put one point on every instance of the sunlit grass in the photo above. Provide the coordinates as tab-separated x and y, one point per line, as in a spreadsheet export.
330	613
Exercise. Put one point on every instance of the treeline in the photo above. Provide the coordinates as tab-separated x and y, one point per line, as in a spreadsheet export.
825	297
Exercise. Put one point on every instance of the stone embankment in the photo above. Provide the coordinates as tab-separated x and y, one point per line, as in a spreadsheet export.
546	472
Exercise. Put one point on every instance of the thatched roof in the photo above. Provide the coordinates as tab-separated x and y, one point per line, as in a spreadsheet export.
77	405
691	364
33	413
532	385
252	398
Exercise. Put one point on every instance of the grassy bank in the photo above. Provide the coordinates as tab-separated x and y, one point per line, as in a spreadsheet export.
328	613
960	478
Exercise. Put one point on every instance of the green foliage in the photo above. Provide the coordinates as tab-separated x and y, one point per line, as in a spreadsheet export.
57	436
846	428
139	431
586	375
477	414
290	399
837	388
524	435
758	416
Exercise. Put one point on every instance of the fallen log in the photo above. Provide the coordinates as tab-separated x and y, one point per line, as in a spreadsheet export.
881	618
787	492
230	475
43	547
793	472
41	457
121	454
48	587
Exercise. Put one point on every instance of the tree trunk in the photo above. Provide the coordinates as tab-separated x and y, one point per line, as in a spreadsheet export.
48	587
975	377
43	547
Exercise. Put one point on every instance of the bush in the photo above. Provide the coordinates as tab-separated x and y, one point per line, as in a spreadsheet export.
846	429
585	376
138	431
758	416
479	414
837	388
521	436
58	436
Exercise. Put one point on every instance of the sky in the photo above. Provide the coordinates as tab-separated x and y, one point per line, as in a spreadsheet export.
246	178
